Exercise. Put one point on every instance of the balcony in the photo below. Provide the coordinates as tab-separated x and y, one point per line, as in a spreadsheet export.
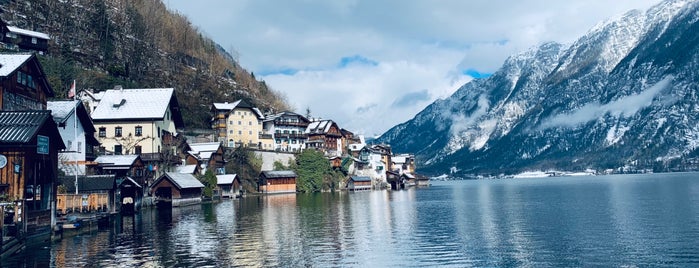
287	123
291	135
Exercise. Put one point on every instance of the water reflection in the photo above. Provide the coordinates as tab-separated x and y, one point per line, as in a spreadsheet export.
600	221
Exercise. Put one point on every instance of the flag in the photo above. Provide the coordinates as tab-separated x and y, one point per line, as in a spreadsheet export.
71	92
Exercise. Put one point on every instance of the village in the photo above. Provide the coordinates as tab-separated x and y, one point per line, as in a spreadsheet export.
116	151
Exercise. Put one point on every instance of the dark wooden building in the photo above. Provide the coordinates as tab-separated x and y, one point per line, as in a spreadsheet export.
177	189
326	136
29	145
23	84
15	38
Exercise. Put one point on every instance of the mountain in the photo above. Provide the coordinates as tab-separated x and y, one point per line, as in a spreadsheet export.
622	97
137	44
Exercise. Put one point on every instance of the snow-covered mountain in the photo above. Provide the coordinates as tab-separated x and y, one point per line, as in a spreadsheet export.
623	95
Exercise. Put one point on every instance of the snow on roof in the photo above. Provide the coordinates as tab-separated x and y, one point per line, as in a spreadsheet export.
10	62
398	159
116	160
189	169
204	146
183	181
28	32
225	179
148	103
322	126
61	110
226	105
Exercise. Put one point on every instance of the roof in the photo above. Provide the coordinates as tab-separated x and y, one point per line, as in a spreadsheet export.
398	159
146	103
62	110
28	32
11	62
189	169
116	160
128	180
226	106
205	146
322	126
360	178
181	180
278	174
226	179
90	183
20	127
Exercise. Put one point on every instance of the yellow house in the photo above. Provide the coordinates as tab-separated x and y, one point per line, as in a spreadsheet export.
138	121
240	124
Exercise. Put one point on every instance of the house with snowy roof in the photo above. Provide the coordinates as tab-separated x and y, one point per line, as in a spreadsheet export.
326	136
287	130
16	38
239	124
23	84
207	155
139	121
78	134
177	189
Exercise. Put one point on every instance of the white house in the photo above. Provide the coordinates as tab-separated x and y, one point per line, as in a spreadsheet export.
138	121
287	130
77	133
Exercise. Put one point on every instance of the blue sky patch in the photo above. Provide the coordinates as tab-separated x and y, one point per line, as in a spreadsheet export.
476	74
356	59
282	71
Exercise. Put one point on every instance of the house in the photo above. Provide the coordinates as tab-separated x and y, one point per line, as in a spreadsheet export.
131	195
324	135
239	124
123	166
78	134
94	193
408	179
29	145
273	182
287	130
21	39
335	162
208	155
358	183
403	163
23	84
90	98
177	189
140	121
229	184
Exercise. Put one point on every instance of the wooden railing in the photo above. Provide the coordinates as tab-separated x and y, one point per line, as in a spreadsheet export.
75	203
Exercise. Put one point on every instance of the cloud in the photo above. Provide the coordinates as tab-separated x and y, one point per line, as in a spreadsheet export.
396	47
626	106
411	99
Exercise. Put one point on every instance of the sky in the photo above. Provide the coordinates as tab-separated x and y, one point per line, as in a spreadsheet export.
372	64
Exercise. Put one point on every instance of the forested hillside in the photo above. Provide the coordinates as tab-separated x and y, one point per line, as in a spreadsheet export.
137	43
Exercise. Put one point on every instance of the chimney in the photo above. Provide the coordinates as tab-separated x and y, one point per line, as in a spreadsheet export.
118	87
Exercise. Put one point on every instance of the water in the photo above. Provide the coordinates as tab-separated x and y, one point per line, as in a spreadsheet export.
623	220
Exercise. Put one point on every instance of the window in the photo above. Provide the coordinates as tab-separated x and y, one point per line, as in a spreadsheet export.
239	123
240	132
139	131
139	172
103	132
34	40
137	149
117	149
231	122
279	141
80	146
117	132
250	132
158	136
249	123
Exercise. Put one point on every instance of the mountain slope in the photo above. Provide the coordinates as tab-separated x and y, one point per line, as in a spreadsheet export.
623	96
137	43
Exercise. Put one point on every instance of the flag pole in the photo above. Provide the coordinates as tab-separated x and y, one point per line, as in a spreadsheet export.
75	133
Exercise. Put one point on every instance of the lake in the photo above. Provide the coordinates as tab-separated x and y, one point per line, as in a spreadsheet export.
620	220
